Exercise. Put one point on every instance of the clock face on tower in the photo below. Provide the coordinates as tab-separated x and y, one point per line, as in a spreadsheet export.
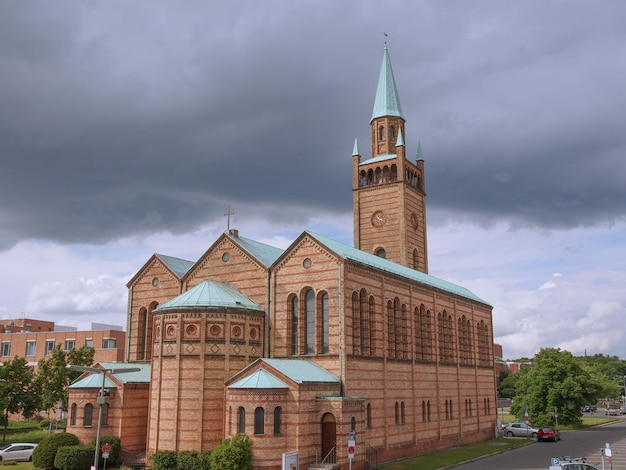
378	219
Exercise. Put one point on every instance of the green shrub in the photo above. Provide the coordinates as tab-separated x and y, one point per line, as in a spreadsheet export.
233	454
44	423
45	452
191	460
74	458
114	453
164	460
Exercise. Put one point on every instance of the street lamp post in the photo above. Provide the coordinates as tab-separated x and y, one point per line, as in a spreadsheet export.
101	400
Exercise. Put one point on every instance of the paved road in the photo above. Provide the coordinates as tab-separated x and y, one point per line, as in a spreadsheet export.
586	443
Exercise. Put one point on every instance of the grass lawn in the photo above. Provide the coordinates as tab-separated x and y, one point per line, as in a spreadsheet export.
456	455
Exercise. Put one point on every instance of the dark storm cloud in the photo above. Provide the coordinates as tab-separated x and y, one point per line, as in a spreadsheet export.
126	118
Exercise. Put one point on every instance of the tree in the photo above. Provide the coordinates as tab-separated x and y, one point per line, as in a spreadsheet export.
557	381
53	377
507	385
17	390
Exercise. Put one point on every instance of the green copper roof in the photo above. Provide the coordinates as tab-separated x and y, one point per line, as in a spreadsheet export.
140	376
177	265
211	295
355	150
358	256
302	371
387	102
95	380
379	158
265	254
260	379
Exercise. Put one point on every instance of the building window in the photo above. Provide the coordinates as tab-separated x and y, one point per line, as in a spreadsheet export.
325	324
6	349
294	325
49	346
88	416
353	424
31	346
397	413
89	343
241	420
73	414
259	421
70	344
369	415
108	343
309	315
381	133
278	411
380	252
402	415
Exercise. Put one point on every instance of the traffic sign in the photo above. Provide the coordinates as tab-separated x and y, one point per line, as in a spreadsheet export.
351	444
106	448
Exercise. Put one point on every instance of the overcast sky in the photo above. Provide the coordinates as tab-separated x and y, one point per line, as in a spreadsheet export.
129	127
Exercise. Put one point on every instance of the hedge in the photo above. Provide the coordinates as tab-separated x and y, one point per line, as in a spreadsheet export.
46	451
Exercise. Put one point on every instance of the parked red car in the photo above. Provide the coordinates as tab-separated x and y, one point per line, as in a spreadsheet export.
548	433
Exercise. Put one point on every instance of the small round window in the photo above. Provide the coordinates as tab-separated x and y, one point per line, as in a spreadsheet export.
307	263
155	281
225	257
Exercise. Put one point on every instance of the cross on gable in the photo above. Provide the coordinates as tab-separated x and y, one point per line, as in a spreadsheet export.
229	213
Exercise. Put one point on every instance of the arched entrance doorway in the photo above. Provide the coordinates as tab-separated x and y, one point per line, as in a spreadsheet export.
329	437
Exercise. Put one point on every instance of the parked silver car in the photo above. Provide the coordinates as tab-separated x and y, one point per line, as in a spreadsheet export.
518	429
18	451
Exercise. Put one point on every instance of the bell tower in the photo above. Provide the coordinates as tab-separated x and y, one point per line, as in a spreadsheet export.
388	190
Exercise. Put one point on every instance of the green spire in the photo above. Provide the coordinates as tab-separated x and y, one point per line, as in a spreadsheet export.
355	150
400	140
419	151
387	102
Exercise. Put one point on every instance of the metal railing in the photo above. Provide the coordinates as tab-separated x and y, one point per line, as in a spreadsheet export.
331	456
371	456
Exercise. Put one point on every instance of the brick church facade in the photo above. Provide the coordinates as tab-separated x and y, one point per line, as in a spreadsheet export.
304	347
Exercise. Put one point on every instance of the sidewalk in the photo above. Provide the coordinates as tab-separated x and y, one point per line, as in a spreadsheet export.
618	459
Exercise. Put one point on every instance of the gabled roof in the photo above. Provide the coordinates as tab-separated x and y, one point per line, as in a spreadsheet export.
260	379
265	254
177	265
140	376
387	102
376	262
300	371
211	295
93	380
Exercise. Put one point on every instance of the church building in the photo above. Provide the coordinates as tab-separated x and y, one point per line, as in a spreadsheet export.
307	348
